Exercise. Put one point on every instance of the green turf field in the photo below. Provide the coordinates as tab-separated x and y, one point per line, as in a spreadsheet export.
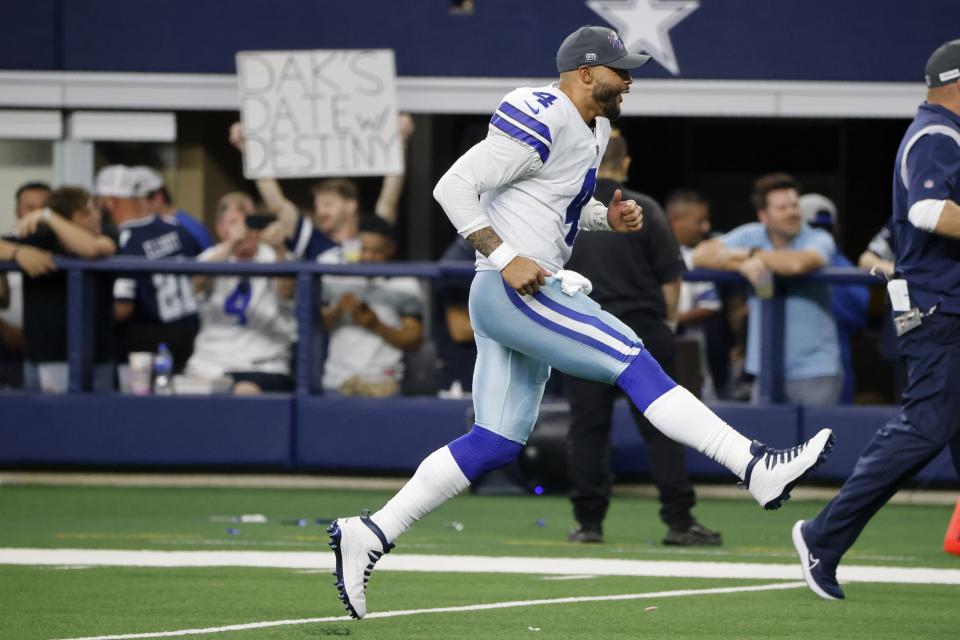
47	602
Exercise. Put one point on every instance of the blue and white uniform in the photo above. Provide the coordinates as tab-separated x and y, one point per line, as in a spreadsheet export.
161	298
534	175
531	181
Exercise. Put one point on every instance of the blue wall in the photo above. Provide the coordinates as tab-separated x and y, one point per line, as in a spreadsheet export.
348	434
880	40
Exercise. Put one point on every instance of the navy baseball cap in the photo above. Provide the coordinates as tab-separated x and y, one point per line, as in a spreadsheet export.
596	46
943	67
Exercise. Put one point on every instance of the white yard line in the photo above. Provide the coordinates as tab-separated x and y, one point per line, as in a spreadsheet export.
471	564
472	607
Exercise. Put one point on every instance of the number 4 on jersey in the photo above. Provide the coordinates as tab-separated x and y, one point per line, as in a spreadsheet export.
582	198
544	98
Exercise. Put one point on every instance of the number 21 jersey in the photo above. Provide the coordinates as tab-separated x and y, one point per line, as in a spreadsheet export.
160	298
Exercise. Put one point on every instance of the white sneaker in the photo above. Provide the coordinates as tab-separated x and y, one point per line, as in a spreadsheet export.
357	543
773	472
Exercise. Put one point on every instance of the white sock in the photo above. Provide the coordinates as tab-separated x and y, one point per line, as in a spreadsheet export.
438	478
681	417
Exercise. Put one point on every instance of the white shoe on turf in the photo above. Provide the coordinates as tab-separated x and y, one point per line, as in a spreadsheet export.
773	472
357	543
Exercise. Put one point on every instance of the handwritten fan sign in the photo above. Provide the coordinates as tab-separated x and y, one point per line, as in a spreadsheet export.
319	113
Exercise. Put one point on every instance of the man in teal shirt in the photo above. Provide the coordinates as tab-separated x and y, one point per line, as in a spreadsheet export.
782	243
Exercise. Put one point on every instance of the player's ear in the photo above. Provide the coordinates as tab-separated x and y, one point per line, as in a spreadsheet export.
586	75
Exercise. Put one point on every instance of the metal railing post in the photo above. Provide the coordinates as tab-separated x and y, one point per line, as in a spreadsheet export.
79	329
81	275
771	347
304	332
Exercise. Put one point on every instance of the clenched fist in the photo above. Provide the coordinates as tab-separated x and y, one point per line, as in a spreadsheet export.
624	215
524	275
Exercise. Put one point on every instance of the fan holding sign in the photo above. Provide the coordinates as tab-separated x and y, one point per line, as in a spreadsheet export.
321	114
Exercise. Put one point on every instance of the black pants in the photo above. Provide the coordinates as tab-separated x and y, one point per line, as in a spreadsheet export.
588	442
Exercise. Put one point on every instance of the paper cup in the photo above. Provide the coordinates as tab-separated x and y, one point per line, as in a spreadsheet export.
141	370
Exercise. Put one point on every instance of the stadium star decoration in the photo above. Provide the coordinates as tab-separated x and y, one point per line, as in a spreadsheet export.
646	24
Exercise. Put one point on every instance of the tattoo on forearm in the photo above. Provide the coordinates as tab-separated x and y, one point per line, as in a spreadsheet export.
485	240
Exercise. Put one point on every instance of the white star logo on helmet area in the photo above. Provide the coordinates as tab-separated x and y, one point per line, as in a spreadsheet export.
646	24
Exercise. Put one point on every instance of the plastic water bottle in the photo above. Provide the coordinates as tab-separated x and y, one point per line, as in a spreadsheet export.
163	371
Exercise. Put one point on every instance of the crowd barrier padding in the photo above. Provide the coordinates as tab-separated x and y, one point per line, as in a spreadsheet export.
119	430
337	434
392	434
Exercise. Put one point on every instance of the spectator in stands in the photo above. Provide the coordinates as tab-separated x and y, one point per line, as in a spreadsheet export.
689	216
11	341
371	321
160	203
246	324
880	256
150	308
635	277
782	243
33	262
848	303
30	196
330	233
69	225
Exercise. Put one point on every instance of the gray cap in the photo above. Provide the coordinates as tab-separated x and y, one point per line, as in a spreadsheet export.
818	210
943	67
596	46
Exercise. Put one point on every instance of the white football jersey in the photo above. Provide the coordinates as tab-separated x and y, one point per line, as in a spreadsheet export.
538	213
244	325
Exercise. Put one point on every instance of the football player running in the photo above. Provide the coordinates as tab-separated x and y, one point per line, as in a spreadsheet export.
520	196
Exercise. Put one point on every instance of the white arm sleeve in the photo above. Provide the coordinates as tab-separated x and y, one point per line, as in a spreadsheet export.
925	214
494	162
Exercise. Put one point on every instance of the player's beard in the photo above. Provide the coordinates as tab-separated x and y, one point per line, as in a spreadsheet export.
607	97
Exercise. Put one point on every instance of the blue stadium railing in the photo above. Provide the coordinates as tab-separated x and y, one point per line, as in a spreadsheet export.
79	291
307	432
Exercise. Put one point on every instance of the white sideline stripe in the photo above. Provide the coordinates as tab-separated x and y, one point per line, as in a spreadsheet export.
470	607
471	564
